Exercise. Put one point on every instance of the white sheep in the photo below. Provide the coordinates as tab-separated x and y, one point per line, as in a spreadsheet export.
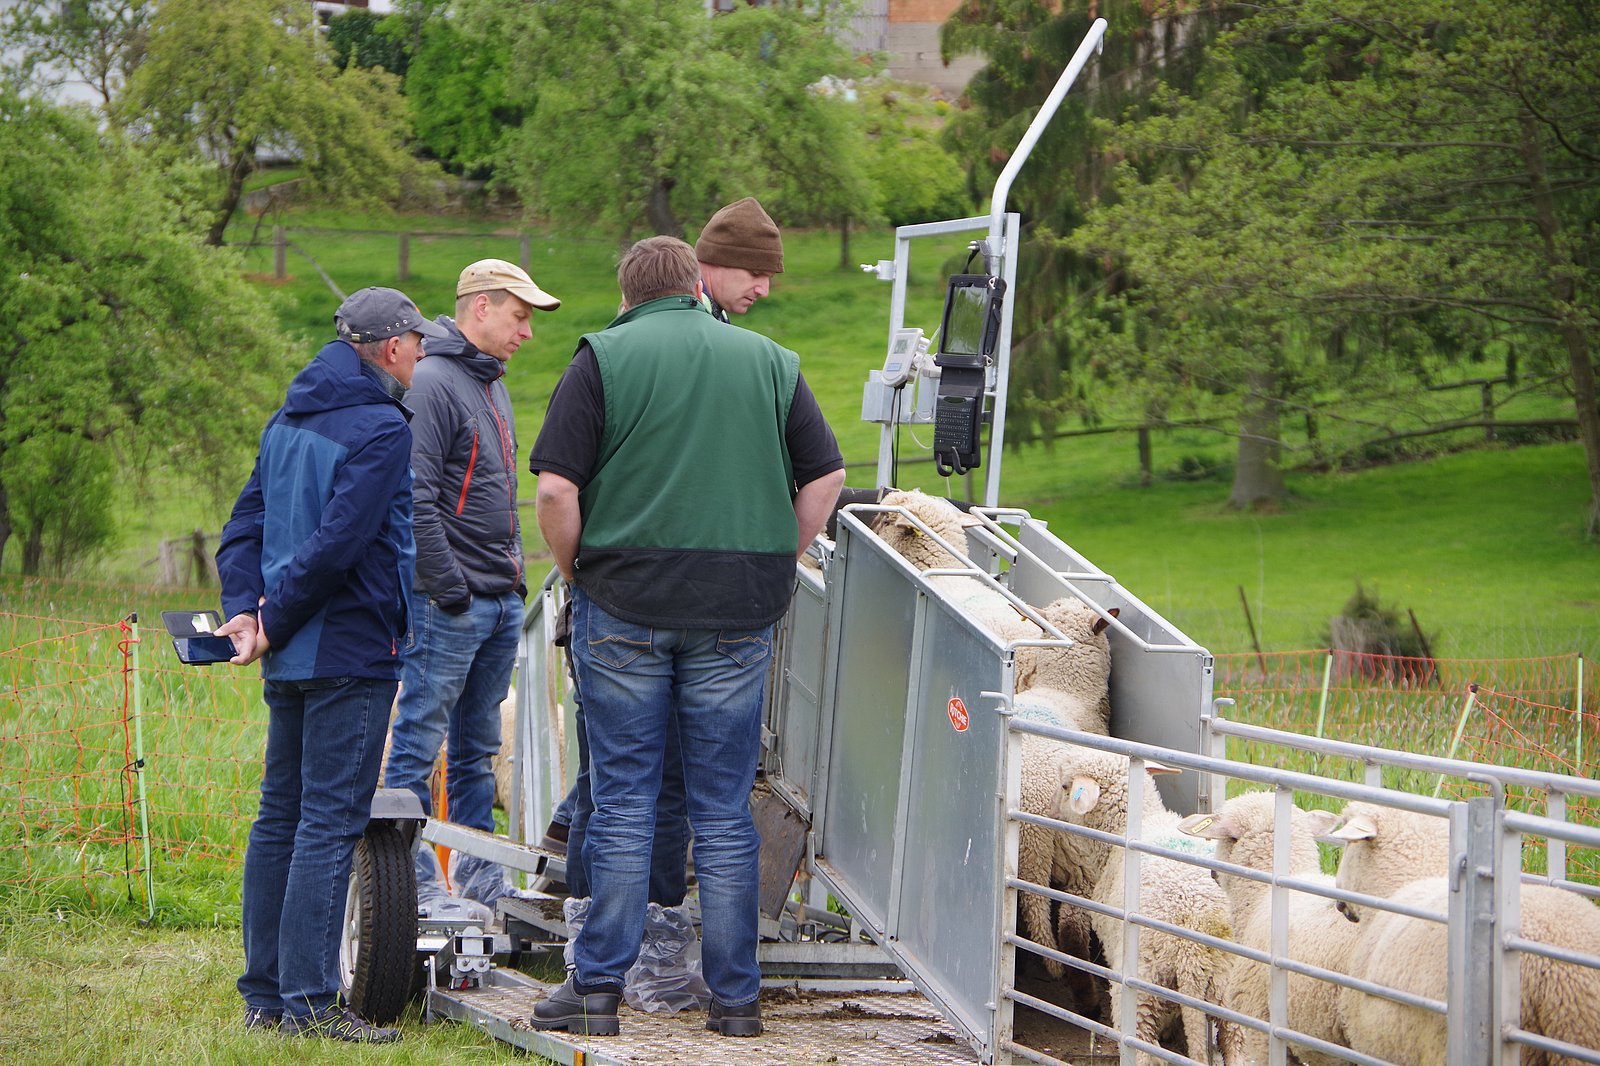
1386	848
1094	793
1243	830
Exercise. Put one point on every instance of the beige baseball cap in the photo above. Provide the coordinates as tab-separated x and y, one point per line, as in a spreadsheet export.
488	274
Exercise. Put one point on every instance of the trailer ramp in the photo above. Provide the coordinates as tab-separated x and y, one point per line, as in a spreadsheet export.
864	1028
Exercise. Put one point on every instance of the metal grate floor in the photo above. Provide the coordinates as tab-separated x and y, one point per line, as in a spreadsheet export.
802	1027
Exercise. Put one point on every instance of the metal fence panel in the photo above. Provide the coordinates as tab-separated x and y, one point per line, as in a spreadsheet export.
794	712
870	654
949	894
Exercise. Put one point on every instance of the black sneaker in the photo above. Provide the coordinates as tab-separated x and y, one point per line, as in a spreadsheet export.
743	1020
591	1014
339	1023
261	1018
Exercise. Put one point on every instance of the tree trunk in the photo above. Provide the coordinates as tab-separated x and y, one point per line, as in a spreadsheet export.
658	210
5	523
33	549
243	163
1562	275
1257	479
844	243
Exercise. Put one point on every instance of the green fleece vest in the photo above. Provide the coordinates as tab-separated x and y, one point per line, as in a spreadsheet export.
688	519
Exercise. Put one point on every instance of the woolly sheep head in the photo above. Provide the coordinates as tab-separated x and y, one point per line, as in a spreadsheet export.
1094	788
939	515
1243	829
1085	667
1386	849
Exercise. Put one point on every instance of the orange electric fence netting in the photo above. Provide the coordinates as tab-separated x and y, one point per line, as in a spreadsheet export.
116	762
1460	708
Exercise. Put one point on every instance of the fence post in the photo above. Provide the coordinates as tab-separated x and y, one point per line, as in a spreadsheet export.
1461	727
1144	457
1474	976
525	251
403	268
280	253
1577	749
1322	701
138	766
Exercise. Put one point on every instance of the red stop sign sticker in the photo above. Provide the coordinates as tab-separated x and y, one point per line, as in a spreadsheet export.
958	714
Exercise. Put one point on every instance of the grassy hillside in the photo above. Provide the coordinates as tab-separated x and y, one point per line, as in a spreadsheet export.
1484	546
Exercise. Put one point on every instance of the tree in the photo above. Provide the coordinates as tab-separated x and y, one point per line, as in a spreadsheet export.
358	37
1027	43
647	110
1434	166
99	42
124	341
231	80
457	84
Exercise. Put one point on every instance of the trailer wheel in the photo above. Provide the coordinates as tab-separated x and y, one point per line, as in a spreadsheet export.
378	960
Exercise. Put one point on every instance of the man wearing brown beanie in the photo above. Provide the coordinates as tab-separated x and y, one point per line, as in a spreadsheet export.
739	251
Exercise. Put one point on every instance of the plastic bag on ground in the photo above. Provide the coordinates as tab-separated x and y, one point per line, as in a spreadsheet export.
666	978
480	879
430	875
574	912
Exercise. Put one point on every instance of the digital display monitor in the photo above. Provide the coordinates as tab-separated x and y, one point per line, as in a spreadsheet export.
971	315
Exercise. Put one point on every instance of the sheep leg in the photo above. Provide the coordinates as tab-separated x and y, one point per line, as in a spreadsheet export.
1033	864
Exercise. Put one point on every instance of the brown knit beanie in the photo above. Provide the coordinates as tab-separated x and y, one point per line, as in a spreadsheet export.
742	235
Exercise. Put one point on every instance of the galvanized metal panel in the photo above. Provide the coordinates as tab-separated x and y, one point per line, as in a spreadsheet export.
795	711
543	714
871	648
950	891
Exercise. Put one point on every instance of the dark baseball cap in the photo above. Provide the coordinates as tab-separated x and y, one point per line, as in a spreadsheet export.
376	314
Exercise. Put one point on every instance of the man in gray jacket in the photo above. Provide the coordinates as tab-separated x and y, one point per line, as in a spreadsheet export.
468	589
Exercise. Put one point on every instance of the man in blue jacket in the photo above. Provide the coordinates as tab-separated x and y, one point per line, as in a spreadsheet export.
315	564
466	599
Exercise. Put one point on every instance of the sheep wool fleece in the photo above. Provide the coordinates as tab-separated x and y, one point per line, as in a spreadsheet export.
689	522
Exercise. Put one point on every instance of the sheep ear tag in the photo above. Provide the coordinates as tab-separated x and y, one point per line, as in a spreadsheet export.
1082	794
959	718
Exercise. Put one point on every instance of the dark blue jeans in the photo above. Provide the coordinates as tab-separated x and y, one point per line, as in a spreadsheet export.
456	671
324	744
640	682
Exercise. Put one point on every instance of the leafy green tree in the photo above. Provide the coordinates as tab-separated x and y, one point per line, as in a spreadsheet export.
649	110
1027	43
1434	166
916	178
358	37
230	80
124	341
99	42
457	83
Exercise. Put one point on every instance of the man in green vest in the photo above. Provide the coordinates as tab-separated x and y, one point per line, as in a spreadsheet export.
684	466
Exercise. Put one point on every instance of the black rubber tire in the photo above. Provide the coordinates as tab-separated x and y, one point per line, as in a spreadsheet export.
378	953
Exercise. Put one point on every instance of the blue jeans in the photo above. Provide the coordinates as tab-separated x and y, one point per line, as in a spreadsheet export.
669	855
324	744
456	671
638	683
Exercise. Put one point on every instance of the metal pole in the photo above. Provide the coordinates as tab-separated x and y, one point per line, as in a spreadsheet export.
1577	749
138	767
1002	188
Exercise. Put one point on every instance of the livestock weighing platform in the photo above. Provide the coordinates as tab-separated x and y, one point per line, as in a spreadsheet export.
803	1026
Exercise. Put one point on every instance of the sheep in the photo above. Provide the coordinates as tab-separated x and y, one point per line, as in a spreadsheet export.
1094	793
1243	831
1385	851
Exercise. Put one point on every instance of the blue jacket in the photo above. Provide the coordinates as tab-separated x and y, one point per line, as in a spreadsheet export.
323	527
